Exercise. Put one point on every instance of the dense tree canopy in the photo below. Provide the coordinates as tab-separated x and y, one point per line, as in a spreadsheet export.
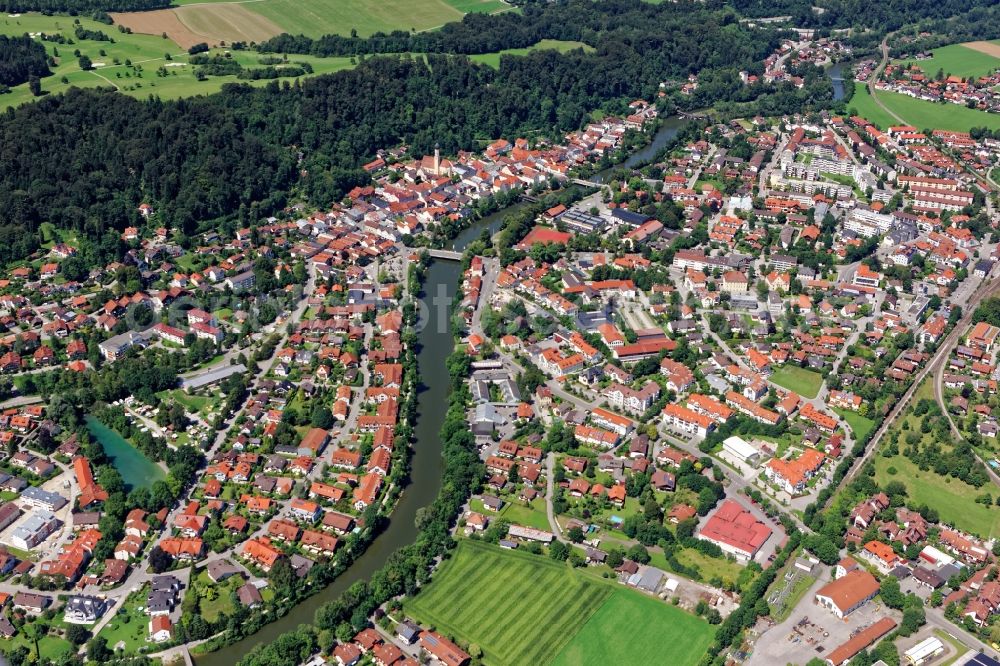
21	58
668	39
882	16
86	159
81	6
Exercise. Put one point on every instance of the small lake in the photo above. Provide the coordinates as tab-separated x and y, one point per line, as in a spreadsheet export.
136	469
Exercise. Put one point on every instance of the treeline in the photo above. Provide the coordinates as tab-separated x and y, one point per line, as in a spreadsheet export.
224	66
86	159
981	22
673	38
74	7
20	59
881	16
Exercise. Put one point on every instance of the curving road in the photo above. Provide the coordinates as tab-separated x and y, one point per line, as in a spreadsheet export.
877	72
985	290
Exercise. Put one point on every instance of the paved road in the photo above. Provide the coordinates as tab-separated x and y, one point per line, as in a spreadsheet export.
138	576
877	72
21	401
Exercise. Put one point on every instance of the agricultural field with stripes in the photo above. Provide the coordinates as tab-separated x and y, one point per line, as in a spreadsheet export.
526	609
218	21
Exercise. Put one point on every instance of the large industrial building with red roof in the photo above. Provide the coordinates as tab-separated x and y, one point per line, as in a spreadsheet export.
736	531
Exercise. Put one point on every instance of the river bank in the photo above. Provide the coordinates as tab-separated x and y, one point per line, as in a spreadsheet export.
425	465
435	343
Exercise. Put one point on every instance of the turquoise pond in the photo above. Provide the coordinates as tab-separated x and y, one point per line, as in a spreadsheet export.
136	469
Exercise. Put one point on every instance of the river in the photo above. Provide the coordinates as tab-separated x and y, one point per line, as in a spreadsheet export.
836	74
668	129
426	465
136	469
435	344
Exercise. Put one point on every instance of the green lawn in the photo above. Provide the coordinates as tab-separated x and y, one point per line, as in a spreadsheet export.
479	6
145	51
804	382
532	515
320	17
51	647
864	105
860	425
631	628
520	608
919	113
191	402
710	567
493	59
957	60
130	627
953	499
214	598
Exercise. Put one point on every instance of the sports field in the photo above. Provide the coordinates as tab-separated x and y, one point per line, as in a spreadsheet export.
526	609
964	60
216	21
493	59
920	113
631	628
147	52
804	382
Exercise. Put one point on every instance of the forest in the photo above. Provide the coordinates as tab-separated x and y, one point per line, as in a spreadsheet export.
74	7
85	160
20	59
975	24
881	16
674	39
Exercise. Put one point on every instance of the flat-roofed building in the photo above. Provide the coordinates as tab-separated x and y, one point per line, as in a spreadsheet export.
741	450
35	529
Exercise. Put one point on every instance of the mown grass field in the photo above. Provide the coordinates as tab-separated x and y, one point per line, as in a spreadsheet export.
225	22
631	628
804	382
493	59
147	52
860	425
953	499
920	113
229	21
866	107
957	60
520	608
526	609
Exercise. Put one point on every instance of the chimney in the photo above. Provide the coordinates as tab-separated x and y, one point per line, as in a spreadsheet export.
437	160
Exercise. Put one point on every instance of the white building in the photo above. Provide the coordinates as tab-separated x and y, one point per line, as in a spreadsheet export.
741	450
924	650
35	529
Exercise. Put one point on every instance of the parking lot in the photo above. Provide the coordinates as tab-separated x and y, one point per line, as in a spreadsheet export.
812	631
65	485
